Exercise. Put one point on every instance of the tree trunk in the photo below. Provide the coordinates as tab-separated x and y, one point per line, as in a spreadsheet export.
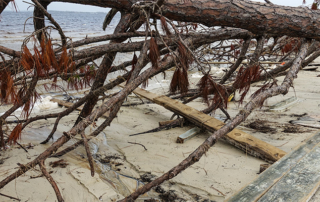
38	20
3	4
264	18
104	68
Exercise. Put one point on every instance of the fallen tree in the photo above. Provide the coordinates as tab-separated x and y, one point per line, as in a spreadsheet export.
188	38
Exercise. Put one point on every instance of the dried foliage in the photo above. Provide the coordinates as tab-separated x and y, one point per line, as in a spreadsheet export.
244	79
185	57
15	134
293	45
164	26
154	53
207	86
41	64
179	81
133	65
7	89
314	6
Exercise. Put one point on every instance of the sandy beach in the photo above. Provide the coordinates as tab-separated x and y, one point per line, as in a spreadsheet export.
122	167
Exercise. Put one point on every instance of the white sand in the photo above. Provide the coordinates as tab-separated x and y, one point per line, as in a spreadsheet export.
219	174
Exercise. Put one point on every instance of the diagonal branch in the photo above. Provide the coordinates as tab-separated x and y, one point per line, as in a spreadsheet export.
51	181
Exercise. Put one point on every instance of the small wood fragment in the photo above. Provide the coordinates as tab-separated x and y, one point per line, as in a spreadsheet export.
61	163
188	135
263	167
163	123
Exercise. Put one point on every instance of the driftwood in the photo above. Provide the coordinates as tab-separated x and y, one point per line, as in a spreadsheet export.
178	45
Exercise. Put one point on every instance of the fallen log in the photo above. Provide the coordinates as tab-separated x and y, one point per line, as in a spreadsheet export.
247	143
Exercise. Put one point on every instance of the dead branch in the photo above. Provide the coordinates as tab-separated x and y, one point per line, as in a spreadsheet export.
44	10
90	159
138	144
10	197
51	181
241	57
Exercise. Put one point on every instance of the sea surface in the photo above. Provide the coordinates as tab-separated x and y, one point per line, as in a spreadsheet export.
15	26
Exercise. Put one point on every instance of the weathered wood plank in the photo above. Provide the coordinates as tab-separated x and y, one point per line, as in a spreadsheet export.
247	143
300	183
287	177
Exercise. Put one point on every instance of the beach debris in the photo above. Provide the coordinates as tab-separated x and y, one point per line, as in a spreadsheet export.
299	115
284	104
159	189
311	124
236	137
188	135
151	200
3	159
310	68
169	196
60	163
217	190
261	126
294	129
109	158
312	121
263	167
164	126
295	177
138	144
147	177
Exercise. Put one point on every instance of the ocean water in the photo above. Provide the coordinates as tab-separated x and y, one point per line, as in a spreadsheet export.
15	26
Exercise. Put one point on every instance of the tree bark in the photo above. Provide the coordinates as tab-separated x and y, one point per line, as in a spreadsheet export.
104	68
38	18
3	4
264	18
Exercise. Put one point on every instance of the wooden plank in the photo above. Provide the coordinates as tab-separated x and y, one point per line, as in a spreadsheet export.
290	176
249	144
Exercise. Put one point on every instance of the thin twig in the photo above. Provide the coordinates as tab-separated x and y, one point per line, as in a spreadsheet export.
217	190
90	159
50	180
138	144
10	197
22	147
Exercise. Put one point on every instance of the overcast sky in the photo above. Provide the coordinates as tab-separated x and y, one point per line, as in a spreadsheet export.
75	7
